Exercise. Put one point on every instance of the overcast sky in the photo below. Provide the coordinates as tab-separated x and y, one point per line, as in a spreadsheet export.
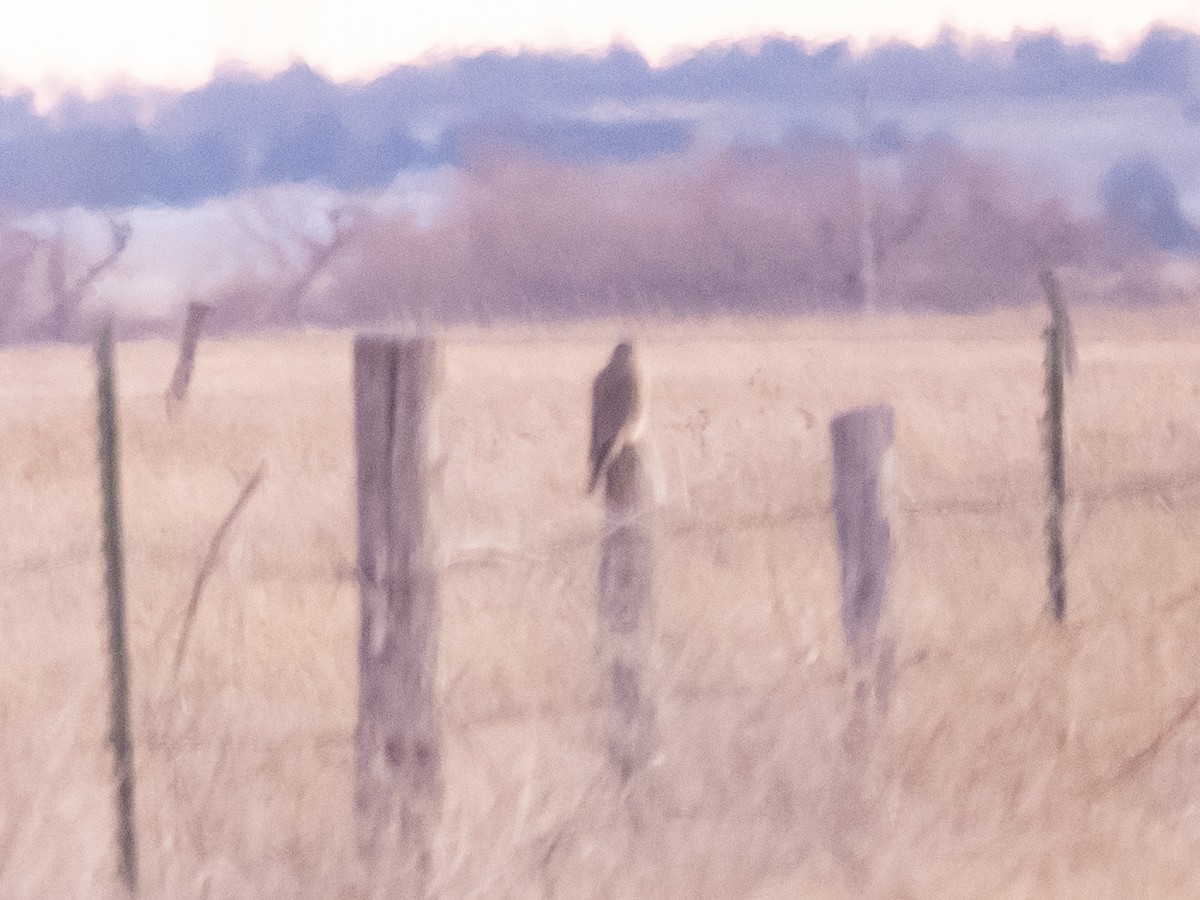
50	45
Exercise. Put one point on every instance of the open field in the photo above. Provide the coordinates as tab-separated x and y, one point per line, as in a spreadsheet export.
1019	759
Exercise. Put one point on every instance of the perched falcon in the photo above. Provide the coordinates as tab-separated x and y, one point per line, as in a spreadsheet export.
617	415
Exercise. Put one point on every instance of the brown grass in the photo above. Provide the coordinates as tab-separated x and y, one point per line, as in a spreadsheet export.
1020	759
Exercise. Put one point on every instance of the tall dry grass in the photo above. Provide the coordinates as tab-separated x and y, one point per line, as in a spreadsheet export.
1019	759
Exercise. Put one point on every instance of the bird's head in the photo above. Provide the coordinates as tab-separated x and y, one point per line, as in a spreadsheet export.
623	352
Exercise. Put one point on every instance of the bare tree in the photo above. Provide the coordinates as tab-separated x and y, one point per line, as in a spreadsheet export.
67	295
868	238
299	255
318	253
897	224
18	251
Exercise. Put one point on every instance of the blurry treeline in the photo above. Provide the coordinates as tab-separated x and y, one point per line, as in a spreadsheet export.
797	227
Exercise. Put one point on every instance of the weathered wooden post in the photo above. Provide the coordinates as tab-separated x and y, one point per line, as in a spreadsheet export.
626	556
624	608
398	753
110	490
1060	360
862	485
182	379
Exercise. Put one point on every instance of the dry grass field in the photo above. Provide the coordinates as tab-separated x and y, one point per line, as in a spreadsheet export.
1019	759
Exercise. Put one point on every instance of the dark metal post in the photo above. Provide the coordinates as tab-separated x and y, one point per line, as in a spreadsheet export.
1056	466
115	575
1060	361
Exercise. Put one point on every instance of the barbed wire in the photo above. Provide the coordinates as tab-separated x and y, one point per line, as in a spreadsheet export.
753	700
1172	490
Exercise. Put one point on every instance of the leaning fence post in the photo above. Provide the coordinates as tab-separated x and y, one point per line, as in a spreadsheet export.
115	581
1060	359
862	475
624	608
196	314
398	754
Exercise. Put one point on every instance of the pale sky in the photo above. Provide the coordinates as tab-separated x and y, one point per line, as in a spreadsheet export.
50	45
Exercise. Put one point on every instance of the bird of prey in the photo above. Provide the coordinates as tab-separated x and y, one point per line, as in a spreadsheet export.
617	413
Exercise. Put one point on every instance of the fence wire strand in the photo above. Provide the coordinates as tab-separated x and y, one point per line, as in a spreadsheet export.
1179	491
1174	492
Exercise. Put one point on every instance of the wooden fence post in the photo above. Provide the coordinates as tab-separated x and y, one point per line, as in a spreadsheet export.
398	753
1060	359
180	381
110	490
862	475
624	608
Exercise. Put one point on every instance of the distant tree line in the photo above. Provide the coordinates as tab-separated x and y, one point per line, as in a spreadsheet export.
747	229
243	131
